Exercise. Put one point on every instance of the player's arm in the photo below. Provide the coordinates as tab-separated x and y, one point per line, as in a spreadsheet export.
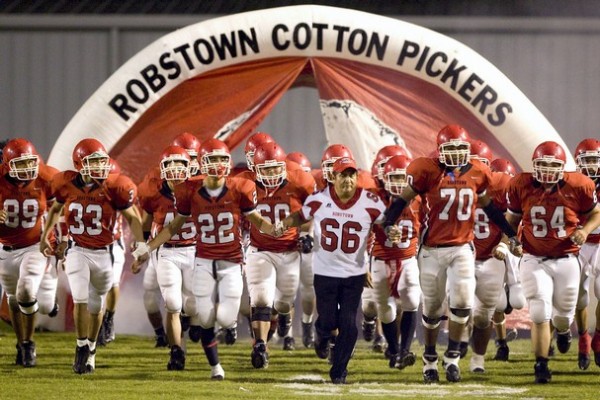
147	219
294	220
261	223
395	209
496	216
54	214
167	232
592	222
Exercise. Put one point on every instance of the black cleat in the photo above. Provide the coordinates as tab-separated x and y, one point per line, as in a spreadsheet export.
177	359
405	359
464	349
430	372
289	343
308	337
379	344
230	335
81	357
90	365
431	376
19	358
542	373
109	329
368	329
259	355
551	350
54	312
101	339
583	361
563	341
391	359
284	323
29	355
452	373
161	341
339	380
322	348
502	352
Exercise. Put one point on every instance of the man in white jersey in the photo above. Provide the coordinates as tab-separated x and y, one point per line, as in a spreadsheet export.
343	215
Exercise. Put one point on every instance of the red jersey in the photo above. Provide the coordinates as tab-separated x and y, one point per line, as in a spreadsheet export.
593	237
157	199
409	223
276	205
549	218
218	218
91	210
488	235
25	203
451	197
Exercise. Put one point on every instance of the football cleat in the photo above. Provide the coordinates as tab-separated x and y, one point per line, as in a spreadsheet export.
101	339
542	373
230	335
596	347
308	337
29	355
284	323
177	359
217	373
109	329
464	349
512	334
259	355
563	341
585	347
451	366
90	365
339	380
405	359
379	344
391	359
322	348
502	351
161	341
368	329
551	350
289	343
477	364
19	358
82	353
430	372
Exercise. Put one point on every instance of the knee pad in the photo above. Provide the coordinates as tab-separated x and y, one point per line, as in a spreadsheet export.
431	323
561	324
537	311
12	301
152	301
516	296
29	308
261	314
282	307
95	303
369	308
25	290
460	315
482	317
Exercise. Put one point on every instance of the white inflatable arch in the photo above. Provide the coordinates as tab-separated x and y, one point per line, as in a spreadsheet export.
380	81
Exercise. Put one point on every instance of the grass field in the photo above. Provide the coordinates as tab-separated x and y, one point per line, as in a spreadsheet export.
131	368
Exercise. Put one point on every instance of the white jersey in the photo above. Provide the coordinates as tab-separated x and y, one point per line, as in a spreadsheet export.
341	230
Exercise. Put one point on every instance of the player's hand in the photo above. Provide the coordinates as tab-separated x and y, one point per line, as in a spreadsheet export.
579	237
515	246
279	229
499	252
305	243
61	249
46	248
3	215
137	265
394	234
141	251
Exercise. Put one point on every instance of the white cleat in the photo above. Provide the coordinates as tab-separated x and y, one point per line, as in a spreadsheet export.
90	365
477	364
217	373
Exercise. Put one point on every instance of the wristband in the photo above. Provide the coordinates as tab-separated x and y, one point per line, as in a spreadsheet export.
141	248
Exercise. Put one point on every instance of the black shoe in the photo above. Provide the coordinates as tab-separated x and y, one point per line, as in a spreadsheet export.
308	337
82	353
289	343
177	359
161	341
583	361
322	348
185	321
109	329
368	329
90	365
29	355
502	352
259	355
339	380
451	366
430	372
391	359
542	373
54	311
230	335
101	339
551	350
284	323
379	344
19	358
464	349
405	359
563	341
431	376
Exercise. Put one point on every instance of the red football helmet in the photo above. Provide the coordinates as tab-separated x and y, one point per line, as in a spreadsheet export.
504	166
394	174
215	158
175	164
91	159
115	168
384	154
453	146
300	158
587	157
481	151
269	164
549	162
255	140
192	145
331	154
21	159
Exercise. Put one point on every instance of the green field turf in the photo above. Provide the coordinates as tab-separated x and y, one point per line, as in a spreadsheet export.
131	368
